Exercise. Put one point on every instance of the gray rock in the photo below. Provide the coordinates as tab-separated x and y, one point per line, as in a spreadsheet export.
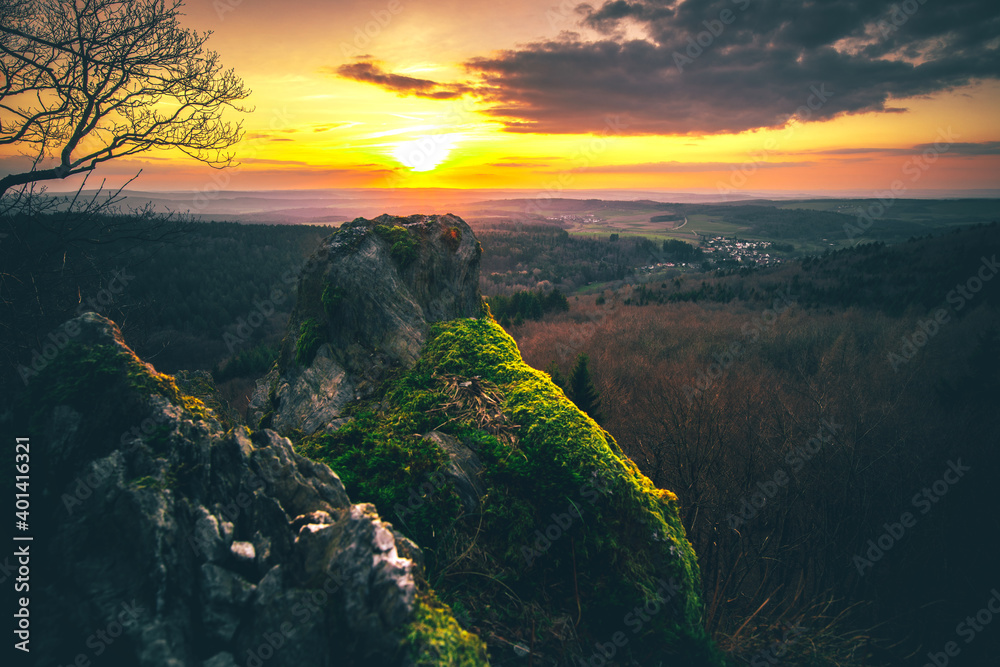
464	469
378	304
208	535
200	532
244	551
299	484
223	659
223	596
355	560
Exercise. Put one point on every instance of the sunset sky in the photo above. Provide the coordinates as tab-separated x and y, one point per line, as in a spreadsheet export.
645	95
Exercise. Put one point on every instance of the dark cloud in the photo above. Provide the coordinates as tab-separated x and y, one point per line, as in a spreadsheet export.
967	149
368	71
683	167
713	66
971	149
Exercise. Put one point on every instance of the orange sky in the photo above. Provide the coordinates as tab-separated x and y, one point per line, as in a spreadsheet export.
315	128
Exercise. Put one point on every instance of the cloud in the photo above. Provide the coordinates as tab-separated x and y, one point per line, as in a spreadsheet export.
674	167
256	160
368	71
967	149
269	136
720	66
524	161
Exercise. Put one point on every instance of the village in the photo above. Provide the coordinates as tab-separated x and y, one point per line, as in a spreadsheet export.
720	250
751	253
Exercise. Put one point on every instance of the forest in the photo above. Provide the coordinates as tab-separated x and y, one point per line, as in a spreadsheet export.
802	414
528	256
805	414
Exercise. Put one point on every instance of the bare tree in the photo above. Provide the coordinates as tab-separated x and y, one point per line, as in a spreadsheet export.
86	81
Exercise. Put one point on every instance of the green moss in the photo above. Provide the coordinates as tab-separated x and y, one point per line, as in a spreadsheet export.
385	463
89	377
311	337
403	246
435	637
201	387
147	482
625	539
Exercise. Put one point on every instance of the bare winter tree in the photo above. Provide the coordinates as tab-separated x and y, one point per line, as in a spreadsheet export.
87	81
83	82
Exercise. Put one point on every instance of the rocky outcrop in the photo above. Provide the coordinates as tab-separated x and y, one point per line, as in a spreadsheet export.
533	519
169	541
217	545
365	300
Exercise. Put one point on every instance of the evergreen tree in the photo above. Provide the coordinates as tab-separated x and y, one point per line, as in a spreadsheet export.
582	391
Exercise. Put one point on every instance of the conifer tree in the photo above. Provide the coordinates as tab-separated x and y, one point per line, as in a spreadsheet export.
582	391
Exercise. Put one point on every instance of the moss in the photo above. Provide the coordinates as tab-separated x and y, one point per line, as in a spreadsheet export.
436	638
199	386
311	337
89	376
403	247
385	462
613	537
148	482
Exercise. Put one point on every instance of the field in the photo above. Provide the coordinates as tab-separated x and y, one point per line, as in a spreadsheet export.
812	226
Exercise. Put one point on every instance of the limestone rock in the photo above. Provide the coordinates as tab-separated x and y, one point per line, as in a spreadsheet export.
365	300
193	546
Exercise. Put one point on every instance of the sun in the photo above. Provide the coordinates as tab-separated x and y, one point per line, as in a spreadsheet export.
425	152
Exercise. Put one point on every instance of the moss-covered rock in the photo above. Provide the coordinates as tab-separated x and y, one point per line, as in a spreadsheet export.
201	385
435	638
311	336
403	246
365	301
571	546
217	540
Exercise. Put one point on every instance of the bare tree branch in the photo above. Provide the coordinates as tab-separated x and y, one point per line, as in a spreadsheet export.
87	81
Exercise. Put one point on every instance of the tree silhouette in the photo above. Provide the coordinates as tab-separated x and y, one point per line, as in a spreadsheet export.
581	389
86	81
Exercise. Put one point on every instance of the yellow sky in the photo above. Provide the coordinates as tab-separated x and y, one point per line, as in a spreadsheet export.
314	129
